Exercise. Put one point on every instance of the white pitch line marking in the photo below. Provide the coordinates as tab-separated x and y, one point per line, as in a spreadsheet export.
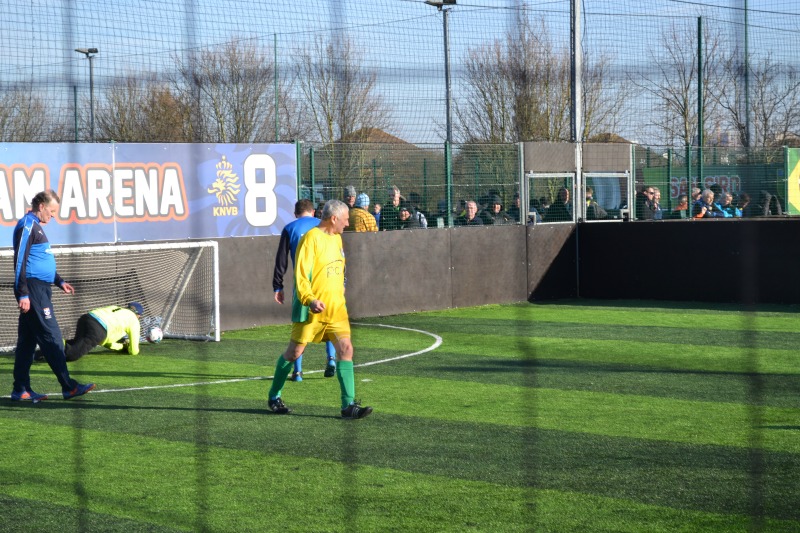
436	344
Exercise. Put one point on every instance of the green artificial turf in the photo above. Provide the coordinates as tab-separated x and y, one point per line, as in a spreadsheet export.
575	416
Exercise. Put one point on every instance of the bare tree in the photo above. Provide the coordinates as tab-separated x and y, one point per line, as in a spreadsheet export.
342	102
603	104
487	113
518	89
230	94
142	110
774	101
674	84
24	117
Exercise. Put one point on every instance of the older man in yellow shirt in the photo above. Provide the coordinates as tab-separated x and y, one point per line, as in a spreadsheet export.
319	285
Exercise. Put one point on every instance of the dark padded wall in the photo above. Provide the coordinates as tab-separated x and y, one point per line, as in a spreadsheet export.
489	265
552	262
740	261
394	272
387	273
245	283
405	271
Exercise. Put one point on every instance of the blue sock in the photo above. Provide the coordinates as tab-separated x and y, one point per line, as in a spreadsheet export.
298	364
330	349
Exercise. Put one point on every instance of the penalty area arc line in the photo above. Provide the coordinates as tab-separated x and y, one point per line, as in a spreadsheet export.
437	342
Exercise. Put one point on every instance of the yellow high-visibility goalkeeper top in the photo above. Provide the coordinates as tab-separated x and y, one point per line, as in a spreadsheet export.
119	322
319	274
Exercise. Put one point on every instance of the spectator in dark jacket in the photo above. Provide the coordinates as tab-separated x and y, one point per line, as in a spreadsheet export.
560	210
645	210
391	209
593	210
470	216
494	214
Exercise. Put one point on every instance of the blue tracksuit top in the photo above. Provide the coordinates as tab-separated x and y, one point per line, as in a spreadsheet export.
33	257
290	238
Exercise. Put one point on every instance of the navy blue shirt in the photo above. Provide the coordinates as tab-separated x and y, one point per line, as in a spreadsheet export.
33	257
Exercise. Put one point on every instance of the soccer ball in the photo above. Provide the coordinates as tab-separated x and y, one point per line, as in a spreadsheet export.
155	335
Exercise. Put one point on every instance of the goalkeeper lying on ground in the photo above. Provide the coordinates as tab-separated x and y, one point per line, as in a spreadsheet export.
114	327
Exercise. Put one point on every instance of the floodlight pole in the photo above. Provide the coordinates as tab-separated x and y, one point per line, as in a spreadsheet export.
439	4
89	53
447	74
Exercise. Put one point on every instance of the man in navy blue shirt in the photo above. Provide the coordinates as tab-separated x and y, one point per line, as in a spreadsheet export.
290	238
35	273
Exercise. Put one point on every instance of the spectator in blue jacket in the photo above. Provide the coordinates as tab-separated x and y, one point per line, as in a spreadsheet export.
729	210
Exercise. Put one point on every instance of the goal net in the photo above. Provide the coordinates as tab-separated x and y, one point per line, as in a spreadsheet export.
176	283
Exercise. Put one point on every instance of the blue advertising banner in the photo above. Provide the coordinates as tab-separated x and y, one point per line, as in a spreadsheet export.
144	192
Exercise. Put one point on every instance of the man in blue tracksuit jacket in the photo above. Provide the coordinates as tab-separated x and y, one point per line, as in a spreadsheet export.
35	273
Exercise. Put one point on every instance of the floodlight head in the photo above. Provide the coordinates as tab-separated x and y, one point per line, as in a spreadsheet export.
440	3
86	51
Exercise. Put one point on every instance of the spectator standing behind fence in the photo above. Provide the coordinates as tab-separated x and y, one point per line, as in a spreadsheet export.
470	216
35	273
593	210
743	203
514	210
728	209
415	206
376	212
681	210
704	207
644	204
361	220
560	210
350	196
494	213
766	205
536	211
658	213
391	210
406	219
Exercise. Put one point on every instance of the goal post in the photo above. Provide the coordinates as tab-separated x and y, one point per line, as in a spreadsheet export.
176	283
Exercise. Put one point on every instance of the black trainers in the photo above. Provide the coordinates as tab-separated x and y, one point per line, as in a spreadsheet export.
330	369
297	376
278	407
355	411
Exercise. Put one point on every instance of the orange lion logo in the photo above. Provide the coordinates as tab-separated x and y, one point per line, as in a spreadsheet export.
226	186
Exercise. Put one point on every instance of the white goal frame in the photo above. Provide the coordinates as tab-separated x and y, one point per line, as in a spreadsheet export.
176	283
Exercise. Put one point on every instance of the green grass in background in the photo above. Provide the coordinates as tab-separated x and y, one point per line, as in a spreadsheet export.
559	417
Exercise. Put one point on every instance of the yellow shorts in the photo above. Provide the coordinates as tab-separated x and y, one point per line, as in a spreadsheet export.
307	332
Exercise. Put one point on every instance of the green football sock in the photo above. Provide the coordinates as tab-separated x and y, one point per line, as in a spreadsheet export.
347	382
282	370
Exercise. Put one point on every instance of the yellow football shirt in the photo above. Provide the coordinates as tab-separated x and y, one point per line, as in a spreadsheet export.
319	274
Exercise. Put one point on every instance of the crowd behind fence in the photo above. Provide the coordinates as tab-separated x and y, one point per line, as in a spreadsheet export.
492	174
